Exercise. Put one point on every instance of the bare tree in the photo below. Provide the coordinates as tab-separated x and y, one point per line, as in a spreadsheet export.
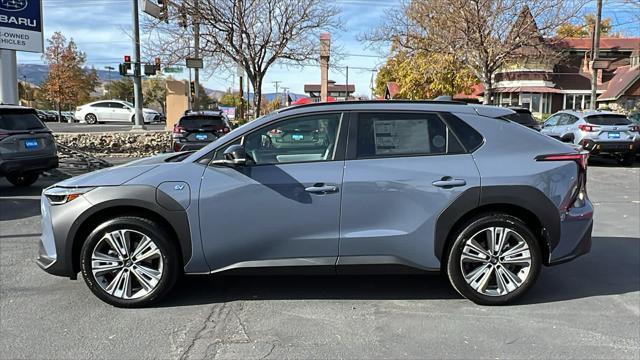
484	34
252	33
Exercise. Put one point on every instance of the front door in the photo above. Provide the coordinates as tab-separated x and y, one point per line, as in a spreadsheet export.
404	170
283	208
120	112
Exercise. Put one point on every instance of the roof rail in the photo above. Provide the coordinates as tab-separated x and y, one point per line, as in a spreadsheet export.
357	102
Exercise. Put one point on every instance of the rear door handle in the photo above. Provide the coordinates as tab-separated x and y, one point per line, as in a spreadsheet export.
449	182
321	189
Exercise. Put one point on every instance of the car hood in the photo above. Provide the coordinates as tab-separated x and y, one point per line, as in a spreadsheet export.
150	111
116	175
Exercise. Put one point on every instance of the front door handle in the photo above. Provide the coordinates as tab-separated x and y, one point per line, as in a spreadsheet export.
321	189
449	182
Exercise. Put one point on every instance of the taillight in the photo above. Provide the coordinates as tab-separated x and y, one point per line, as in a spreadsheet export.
589	128
78	109
579	192
581	158
226	130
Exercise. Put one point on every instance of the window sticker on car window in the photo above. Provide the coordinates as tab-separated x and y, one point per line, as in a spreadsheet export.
401	136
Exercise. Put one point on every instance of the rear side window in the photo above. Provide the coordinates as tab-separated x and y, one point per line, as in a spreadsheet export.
610	119
523	118
19	120
468	136
403	134
200	122
101	105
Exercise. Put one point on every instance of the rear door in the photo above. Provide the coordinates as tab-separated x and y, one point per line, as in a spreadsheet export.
102	111
23	135
402	170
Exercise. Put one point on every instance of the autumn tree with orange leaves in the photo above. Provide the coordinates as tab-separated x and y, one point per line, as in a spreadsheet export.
68	83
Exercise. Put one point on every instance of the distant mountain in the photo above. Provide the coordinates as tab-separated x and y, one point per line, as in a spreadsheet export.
37	73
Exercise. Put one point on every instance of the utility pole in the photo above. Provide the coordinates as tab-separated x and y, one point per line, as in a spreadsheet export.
594	56
347	91
9	78
196	45
285	90
137	74
109	68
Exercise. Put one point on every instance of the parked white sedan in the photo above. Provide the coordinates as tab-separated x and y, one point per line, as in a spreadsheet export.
112	111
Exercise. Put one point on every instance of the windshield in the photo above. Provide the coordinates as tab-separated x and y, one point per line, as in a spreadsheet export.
19	120
128	104
609	119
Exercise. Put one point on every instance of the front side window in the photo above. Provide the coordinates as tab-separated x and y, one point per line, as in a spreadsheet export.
552	121
303	139
403	134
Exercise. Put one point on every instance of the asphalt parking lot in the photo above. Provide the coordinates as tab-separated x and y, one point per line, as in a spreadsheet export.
589	308
105	127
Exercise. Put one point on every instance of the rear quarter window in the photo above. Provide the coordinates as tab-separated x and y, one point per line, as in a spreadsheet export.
468	136
13	120
605	120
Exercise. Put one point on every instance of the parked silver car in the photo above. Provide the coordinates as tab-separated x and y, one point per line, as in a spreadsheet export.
599	132
27	147
332	188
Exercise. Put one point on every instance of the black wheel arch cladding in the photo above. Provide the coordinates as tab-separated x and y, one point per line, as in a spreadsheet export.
112	201
473	199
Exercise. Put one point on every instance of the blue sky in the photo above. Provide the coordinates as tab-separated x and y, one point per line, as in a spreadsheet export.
100	29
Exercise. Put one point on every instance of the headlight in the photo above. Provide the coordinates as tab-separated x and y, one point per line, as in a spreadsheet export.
60	195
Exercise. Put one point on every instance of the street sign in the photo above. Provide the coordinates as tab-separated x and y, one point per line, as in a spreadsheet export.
172	70
195	63
21	25
149	7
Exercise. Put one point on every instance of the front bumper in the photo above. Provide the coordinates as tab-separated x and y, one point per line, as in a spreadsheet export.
30	164
575	235
609	147
54	256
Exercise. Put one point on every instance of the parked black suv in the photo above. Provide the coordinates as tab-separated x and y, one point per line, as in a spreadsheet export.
524	117
27	147
196	129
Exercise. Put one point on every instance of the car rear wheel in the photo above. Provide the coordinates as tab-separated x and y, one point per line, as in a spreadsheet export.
23	180
494	259
129	262
91	119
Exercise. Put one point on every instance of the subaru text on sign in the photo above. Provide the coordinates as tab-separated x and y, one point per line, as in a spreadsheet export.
21	25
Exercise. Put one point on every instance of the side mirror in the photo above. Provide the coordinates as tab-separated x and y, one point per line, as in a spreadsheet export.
235	155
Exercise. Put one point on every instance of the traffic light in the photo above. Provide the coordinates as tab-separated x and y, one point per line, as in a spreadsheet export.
126	66
193	89
158	65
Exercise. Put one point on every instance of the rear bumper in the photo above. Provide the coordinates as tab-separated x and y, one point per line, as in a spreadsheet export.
575	235
609	147
30	164
186	146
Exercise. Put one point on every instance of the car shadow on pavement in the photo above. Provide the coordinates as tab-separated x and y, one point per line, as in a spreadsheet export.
15	209
610	269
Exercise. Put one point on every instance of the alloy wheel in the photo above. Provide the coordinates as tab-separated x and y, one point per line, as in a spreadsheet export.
127	264
495	261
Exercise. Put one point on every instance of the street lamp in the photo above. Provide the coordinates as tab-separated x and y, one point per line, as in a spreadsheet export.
109	68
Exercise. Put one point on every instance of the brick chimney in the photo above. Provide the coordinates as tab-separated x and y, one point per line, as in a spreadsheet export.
325	51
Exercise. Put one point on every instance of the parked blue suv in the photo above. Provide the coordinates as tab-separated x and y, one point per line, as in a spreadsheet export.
335	188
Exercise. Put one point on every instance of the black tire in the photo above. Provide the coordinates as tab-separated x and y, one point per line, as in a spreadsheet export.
160	237
628	159
91	119
473	226
23	180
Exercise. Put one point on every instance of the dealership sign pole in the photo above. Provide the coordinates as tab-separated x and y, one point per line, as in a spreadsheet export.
20	30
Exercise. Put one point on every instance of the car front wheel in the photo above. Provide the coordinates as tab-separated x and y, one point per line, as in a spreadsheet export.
494	259
129	262
23	180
